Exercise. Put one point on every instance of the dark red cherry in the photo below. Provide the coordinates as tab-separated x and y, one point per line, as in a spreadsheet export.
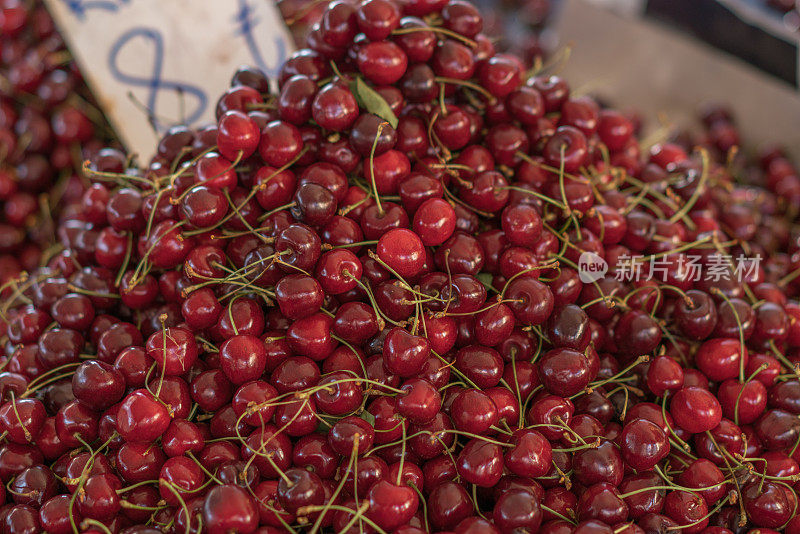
695	409
391	506
141	417
480	462
531	455
564	372
643	444
517	509
230	508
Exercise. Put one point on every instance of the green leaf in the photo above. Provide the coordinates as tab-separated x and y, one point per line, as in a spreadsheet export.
371	100
485	279
368	417
325	425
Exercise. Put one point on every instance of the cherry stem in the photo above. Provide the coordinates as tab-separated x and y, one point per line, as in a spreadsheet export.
761	367
335	494
456	370
516	389
191	188
739	326
665	488
97	294
795	367
265	216
173	488
783	282
437	29
134	486
469	85
28	436
641	199
372	166
34	384
126	260
87	468
209	474
120	178
740	500
383	264
86	523
328	246
402	455
698	190
683	444
670	201
711	512
17	294
558	514
135	280
381	316
358	514
618	376
553	265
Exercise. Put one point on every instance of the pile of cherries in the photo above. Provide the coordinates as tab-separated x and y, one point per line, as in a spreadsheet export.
48	126
362	303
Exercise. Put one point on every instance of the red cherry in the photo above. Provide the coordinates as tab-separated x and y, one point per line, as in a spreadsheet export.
700	474
473	411
531	456
481	463
237	136
434	222
173	349
311	336
643	444
22	419
280	143
340	393
298	296
695	409
742	402
243	358
564	372
402	250
334	107
377	18
404	354
100	499
517	509
391	506
141	417
382	62
338	271
720	358
98	385
351	433
420	401
229	508
664	375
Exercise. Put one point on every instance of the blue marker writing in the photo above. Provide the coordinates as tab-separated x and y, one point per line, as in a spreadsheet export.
246	24
80	7
155	83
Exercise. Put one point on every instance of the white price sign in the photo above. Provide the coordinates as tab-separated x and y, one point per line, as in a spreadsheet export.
165	62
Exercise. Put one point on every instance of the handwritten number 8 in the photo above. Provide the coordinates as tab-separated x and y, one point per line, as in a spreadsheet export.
155	83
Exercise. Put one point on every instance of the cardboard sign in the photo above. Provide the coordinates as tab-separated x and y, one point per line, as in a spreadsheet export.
636	63
152	64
